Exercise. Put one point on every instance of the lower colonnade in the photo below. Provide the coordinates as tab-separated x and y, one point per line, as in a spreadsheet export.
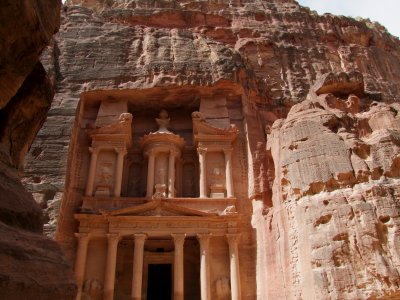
178	239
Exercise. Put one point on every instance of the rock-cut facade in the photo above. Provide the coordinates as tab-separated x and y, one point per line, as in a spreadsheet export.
230	149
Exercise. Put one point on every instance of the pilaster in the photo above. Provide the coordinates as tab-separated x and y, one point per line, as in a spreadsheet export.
233	240
179	240
80	262
204	240
109	277
140	239
202	164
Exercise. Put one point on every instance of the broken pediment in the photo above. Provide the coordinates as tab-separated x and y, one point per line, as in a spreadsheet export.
203	131
123	125
113	122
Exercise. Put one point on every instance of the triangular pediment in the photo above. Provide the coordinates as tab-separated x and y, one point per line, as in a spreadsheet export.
159	207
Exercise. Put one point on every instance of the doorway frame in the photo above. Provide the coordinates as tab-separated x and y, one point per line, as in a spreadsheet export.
159	258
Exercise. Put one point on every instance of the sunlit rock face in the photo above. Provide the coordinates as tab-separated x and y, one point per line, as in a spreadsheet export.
335	195
315	101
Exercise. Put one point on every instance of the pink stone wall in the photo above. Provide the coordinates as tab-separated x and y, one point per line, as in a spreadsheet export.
322	179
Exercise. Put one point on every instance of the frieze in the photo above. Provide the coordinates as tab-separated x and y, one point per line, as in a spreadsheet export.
217	143
168	224
108	144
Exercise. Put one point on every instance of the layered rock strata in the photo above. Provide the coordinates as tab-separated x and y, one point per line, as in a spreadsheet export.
275	49
323	189
30	264
335	197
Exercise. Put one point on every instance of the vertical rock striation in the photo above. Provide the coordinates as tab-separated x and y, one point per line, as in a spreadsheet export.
322	169
335	195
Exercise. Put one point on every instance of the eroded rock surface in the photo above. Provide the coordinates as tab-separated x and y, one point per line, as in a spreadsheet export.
274	49
26	28
335	197
31	265
319	224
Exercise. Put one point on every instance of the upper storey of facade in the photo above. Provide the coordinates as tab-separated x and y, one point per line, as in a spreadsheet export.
132	151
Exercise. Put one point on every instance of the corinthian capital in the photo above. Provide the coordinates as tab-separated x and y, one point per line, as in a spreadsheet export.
201	150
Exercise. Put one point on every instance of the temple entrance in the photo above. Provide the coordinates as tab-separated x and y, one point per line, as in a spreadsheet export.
159	282
158	217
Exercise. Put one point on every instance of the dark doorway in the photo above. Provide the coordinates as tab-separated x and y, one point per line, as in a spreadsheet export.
159	282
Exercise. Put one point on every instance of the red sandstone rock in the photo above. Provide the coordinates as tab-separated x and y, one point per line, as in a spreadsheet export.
31	265
335	192
325	190
26	28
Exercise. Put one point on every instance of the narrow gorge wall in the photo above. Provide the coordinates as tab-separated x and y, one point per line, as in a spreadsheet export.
30	263
322	168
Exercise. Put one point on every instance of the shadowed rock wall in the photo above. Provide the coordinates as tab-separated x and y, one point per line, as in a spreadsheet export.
324	162
31	265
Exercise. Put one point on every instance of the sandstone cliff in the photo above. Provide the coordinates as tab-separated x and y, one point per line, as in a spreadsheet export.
324	189
335	196
30	264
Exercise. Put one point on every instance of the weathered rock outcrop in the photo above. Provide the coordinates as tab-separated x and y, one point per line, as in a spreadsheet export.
31	265
335	197
325	192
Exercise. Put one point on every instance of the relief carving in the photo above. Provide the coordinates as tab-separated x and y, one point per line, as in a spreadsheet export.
92	290
163	121
161	177
222	287
217	186
229	210
104	178
216	174
105	173
164	148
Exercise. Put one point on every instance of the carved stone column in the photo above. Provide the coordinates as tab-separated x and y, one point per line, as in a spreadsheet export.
202	164
80	261
234	265
109	277
228	173
179	177
171	174
92	171
150	174
204	240
179	240
118	172
140	238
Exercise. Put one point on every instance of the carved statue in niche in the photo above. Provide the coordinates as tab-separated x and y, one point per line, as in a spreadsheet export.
163	149
222	287
217	182
105	173
217	175
161	176
92	290
163	121
105	176
161	179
